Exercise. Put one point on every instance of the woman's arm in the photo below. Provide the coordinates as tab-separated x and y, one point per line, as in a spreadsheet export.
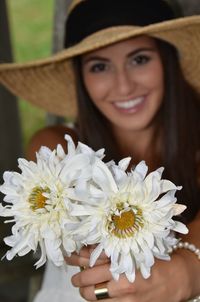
49	137
191	261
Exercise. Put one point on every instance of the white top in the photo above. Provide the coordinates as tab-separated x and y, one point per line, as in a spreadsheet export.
57	287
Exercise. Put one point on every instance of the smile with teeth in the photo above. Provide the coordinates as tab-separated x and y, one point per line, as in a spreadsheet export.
129	104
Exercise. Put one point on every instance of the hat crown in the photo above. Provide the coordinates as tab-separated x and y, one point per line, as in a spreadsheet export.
73	4
95	15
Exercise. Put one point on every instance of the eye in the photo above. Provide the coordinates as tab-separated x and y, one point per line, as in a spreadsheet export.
140	59
98	67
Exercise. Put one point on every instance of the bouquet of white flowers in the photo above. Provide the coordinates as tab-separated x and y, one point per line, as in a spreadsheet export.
64	201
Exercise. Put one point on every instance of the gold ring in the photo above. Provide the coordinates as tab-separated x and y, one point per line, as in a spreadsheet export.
101	291
82	268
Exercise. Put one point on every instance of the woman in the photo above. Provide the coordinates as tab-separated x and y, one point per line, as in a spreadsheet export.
136	73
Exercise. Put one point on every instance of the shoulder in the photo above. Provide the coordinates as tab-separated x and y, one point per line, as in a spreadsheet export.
50	137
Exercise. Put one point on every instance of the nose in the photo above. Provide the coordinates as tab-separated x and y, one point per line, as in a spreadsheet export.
124	83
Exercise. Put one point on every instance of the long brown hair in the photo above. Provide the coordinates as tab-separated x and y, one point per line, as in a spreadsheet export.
181	130
179	124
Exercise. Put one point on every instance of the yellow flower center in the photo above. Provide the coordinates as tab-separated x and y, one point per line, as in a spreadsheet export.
37	199
127	223
124	221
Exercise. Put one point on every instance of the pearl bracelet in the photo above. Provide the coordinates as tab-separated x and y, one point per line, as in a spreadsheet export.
196	299
192	248
188	246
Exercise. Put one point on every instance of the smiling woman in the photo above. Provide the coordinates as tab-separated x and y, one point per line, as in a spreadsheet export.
119	80
130	80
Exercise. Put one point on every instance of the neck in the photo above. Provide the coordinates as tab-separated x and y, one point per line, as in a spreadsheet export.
140	145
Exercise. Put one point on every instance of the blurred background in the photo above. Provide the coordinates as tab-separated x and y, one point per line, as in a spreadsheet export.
31	29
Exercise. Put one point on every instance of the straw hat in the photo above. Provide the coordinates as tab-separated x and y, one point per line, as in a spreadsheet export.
50	83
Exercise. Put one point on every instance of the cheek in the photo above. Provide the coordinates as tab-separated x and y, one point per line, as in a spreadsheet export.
159	74
159	78
155	81
153	76
158	87
97	87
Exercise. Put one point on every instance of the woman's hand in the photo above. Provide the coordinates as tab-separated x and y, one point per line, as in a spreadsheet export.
168	281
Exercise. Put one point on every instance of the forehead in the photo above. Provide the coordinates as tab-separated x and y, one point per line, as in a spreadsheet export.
132	44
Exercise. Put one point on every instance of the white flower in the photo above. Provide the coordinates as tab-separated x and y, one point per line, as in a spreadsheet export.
128	216
37	199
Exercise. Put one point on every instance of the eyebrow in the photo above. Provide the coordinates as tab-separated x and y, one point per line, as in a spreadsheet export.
132	53
138	50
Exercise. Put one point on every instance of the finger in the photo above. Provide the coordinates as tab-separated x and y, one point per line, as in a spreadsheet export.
116	289
80	260
76	260
88	293
92	276
87	250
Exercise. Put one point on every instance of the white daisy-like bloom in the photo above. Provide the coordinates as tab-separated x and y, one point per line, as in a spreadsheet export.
128	216
37	199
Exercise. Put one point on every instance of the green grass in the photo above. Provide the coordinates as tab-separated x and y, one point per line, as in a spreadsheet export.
31	23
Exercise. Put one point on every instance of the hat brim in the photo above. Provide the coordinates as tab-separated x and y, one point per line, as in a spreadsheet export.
50	83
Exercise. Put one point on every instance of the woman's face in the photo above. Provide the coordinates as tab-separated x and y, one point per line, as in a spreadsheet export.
125	82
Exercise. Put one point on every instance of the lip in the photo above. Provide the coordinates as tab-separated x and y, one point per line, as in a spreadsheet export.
131	105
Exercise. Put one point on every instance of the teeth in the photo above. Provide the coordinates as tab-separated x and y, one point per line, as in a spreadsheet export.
129	104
